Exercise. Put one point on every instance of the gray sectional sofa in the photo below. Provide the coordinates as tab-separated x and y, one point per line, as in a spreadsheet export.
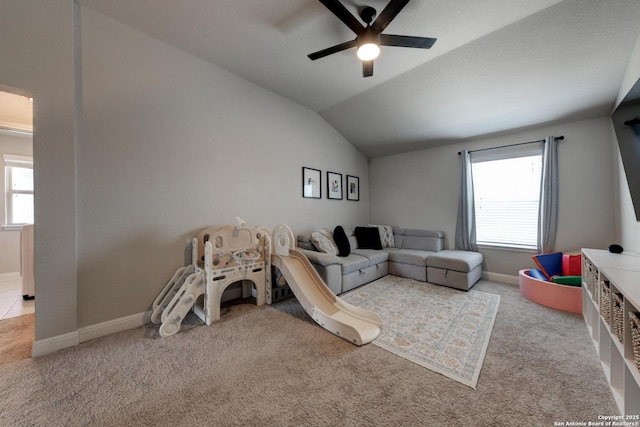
408	257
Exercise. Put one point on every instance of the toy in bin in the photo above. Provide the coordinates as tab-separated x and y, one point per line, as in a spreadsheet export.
556	267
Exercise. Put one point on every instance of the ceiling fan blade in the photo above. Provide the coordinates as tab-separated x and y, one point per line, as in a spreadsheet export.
344	15
367	68
333	49
393	8
406	41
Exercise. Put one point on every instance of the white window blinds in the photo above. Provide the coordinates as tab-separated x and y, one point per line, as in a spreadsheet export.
18	189
507	196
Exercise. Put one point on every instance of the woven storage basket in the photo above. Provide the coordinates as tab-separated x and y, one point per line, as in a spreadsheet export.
590	278
605	301
596	289
618	316
634	319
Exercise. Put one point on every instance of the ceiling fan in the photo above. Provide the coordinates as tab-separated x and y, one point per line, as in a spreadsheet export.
369	39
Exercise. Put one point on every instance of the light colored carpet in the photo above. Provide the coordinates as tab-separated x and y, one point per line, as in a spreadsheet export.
273	366
16	338
440	328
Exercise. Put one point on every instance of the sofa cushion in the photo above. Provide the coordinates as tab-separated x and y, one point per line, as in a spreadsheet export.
342	241
320	258
353	263
323	241
353	242
386	235
409	256
304	241
463	261
374	256
425	240
368	238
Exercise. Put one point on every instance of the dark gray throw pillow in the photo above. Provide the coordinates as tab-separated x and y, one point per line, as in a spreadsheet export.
368	238
342	241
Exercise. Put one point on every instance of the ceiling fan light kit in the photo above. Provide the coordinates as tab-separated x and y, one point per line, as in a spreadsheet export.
368	51
369	39
368	46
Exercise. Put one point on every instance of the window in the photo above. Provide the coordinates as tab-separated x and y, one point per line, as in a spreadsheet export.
18	189
507	196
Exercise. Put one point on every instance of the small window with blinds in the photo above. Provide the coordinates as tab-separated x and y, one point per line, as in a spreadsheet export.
18	190
506	185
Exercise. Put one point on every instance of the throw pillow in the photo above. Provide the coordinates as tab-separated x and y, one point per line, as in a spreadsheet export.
323	241
386	235
342	241
368	238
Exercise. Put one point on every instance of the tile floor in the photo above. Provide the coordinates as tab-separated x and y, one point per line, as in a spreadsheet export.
11	301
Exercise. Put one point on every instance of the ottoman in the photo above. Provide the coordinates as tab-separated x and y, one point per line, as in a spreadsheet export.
456	269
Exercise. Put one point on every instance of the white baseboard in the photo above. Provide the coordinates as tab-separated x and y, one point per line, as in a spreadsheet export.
14	275
502	278
86	333
112	326
59	342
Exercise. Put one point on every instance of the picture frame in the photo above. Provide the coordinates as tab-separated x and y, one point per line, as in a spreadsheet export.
311	183
334	186
353	188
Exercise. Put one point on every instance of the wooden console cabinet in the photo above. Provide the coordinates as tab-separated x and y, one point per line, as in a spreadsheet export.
610	290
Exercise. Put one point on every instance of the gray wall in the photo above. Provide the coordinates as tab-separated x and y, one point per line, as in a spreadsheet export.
170	145
426	185
137	146
10	239
36	47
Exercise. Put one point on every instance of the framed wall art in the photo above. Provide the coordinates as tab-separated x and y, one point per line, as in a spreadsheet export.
334	185
311	183
353	188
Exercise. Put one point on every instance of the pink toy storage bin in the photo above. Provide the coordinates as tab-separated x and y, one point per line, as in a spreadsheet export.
561	297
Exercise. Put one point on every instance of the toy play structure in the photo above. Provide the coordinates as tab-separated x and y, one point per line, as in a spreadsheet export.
220	257
229	254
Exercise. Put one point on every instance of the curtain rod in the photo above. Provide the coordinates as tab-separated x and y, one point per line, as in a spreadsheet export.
560	138
632	121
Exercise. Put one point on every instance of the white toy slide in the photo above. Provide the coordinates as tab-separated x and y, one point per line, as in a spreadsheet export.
347	321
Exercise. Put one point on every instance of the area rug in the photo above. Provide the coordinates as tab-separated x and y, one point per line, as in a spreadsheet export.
16	338
442	329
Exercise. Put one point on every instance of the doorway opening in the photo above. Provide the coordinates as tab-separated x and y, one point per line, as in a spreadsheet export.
17	290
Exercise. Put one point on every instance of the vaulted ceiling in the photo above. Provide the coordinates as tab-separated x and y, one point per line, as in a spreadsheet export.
496	65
